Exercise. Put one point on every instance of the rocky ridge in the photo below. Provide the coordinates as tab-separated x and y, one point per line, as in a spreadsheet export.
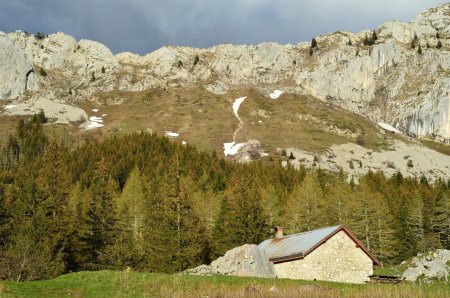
388	79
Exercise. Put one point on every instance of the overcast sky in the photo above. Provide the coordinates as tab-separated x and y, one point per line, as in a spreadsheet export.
142	26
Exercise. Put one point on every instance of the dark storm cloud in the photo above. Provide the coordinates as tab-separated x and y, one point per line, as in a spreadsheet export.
142	26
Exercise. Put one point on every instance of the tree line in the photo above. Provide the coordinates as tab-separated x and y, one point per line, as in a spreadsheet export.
145	202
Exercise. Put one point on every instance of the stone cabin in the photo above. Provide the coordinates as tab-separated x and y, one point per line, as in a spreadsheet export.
331	253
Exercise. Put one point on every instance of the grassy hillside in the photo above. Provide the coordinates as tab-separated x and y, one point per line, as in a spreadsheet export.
132	284
207	120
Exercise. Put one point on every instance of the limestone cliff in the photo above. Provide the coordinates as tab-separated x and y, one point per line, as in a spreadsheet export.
401	77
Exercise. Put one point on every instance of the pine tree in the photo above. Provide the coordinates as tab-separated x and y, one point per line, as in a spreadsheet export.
439	45
337	202
177	238
272	205
242	215
303	208
101	216
441	216
416	222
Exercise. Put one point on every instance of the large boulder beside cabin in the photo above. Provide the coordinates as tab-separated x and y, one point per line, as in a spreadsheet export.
429	267
245	260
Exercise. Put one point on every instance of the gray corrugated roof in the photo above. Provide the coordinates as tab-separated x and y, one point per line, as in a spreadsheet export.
296	244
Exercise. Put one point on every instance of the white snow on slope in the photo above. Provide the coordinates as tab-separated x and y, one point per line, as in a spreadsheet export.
96	119
388	127
95	110
94	122
172	134
237	103
8	107
231	148
275	94
91	125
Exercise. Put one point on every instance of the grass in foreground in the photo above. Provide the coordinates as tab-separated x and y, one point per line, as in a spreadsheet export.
133	284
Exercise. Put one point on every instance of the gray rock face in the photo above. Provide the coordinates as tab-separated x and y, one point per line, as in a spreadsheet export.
13	69
245	260
429	267
390	82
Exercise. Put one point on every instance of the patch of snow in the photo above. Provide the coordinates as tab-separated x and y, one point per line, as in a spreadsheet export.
388	127
9	107
237	103
95	110
183	142
275	94
172	134
259	121
91	125
231	148
103	115
96	119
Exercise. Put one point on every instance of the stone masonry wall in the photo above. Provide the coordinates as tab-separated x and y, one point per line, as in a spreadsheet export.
338	259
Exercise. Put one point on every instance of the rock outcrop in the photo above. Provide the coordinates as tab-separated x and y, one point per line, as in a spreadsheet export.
14	67
401	77
246	260
429	267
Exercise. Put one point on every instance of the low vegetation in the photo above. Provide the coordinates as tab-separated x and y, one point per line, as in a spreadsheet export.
132	284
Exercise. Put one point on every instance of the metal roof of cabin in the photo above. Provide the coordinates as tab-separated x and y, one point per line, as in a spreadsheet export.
297	246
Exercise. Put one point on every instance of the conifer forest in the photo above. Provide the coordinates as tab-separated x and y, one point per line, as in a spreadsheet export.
146	202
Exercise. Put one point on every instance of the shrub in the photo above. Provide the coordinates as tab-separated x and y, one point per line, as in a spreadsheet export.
419	50
439	45
103	69
409	164
40	35
196	60
42	72
374	36
350	164
291	156
369	41
314	43
360	140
